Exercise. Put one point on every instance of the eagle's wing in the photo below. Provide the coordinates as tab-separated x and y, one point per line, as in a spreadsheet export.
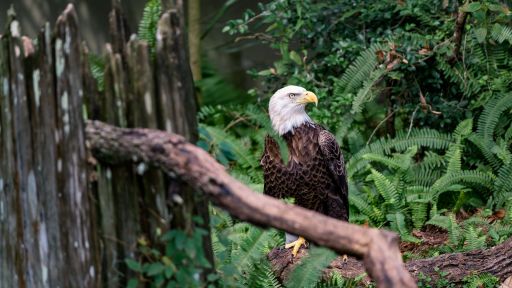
275	174
338	199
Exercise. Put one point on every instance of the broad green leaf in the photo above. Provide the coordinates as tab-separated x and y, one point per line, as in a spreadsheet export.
295	57
481	34
133	265
133	283
155	268
471	7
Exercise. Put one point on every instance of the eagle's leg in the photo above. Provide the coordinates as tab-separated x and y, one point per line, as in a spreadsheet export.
296	245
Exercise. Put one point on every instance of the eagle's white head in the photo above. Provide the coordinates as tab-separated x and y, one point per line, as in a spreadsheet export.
287	108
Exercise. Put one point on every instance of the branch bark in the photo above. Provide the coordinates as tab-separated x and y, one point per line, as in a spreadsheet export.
496	261
457	34
173	154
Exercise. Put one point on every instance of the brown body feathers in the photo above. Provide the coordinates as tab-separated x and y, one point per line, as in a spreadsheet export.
315	174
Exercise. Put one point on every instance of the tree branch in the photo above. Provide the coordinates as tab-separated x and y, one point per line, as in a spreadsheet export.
378	248
457	34
496	261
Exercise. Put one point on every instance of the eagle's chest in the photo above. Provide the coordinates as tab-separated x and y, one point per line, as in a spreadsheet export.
309	166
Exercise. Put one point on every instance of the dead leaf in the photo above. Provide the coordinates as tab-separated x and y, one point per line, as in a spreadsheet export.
392	65
423	103
424	51
380	55
507	283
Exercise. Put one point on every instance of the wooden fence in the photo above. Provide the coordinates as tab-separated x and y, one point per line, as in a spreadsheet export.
65	220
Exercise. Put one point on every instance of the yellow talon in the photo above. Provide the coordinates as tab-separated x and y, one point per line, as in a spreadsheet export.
345	258
296	245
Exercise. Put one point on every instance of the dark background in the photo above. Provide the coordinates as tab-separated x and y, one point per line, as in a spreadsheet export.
218	49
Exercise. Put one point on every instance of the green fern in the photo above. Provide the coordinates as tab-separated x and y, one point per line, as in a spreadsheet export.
387	161
358	72
149	23
427	138
486	146
398	224
501	33
309	271
502	188
481	281
262	276
419	212
444	183
368	92
454	158
474	238
491	114
372	212
387	190
97	66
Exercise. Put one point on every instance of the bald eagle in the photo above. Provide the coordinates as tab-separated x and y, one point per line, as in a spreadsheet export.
315	174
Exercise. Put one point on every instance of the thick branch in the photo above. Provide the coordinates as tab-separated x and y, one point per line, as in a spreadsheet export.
457	34
496	261
170	152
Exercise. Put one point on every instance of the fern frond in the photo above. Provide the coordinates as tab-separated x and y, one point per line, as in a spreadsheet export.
251	246
454	158
359	70
470	177
387	161
492	111
501	33
397	223
485	145
463	130
372	212
149	23
368	92
262	276
428	138
454	230
502	188
309	271
440	221
386	189
481	281
97	66
419	210
473	238
421	176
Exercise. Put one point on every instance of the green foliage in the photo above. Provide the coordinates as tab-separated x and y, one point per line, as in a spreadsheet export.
97	66
149	23
240	251
427	134
175	261
481	281
309	271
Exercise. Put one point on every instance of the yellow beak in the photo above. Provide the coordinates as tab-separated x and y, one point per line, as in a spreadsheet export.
308	97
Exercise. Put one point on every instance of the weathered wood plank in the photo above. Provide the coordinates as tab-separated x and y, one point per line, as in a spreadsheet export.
110	252
176	88
47	204
37	273
121	181
43	122
118	28
74	206
178	109
10	261
141	105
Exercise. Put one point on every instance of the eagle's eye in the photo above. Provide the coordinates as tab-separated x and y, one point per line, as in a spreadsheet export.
291	95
